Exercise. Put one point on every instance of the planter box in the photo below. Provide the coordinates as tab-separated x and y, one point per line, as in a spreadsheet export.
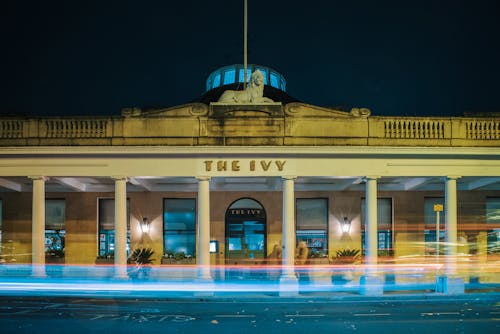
104	261
318	261
178	262
54	260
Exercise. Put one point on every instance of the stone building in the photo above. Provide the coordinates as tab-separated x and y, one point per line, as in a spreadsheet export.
242	183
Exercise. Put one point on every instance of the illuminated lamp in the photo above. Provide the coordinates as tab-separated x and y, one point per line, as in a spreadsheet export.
145	225
345	225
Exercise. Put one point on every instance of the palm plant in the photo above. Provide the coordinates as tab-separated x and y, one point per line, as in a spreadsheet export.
142	256
347	256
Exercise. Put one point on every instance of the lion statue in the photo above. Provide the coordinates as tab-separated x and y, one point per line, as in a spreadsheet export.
252	94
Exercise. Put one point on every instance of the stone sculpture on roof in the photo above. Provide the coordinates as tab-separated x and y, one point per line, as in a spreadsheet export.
253	94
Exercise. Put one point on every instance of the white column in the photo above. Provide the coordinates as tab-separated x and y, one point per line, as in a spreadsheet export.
203	235
288	229
121	227
38	227
371	221
450	197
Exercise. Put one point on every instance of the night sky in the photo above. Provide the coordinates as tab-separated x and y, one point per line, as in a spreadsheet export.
396	57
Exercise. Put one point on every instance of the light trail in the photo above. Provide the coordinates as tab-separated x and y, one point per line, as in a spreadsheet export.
85	280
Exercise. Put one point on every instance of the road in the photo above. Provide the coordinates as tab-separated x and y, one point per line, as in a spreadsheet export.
412	314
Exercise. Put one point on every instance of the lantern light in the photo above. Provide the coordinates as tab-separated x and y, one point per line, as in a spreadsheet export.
145	225
345	225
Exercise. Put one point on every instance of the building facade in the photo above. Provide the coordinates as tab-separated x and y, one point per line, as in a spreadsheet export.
246	183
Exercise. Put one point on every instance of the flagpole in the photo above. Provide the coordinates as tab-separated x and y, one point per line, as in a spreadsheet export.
245	30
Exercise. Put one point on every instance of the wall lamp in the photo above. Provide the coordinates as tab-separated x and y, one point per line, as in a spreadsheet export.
145	225
345	225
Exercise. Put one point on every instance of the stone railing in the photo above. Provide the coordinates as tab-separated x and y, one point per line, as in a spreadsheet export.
252	131
418	128
488	129
74	128
11	128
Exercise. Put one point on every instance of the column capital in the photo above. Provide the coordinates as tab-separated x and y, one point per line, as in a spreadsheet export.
371	177
38	177
203	178
452	177
119	178
289	177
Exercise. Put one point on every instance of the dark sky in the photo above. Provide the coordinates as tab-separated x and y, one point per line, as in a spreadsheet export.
396	57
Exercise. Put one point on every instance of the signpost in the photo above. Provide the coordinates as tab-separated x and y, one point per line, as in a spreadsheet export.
437	209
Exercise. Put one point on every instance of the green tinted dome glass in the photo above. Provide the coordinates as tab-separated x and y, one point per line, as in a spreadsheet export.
235	74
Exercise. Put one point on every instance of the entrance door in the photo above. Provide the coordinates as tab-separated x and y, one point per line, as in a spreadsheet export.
245	232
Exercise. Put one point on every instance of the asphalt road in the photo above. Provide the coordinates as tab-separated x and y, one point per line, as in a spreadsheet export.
412	314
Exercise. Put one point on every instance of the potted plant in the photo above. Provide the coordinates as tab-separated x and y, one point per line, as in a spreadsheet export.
346	257
108	258
141	257
318	257
54	256
177	258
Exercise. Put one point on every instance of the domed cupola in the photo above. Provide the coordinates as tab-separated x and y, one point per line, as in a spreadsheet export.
231	77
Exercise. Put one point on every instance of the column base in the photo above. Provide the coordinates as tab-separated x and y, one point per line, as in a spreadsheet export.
207	286
371	285
204	274
38	270
450	285
288	286
121	272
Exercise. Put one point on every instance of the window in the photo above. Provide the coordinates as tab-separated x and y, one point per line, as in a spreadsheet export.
312	225
493	210
274	80
107	227
55	232
1	228
283	85
493	217
179	226
241	76
430	219
229	77
384	226
216	82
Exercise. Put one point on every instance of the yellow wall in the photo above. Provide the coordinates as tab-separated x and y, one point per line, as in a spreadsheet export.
81	220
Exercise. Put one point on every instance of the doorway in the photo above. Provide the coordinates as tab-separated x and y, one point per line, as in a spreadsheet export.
245	232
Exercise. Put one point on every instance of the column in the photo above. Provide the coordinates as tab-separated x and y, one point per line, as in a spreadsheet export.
203	231
371	221
449	282
371	283
450	198
288	229
121	227
38	227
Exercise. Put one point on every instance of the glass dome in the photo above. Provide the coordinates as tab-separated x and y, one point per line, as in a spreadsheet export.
235	74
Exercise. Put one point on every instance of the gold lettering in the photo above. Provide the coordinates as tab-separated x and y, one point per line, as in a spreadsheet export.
252	165
235	166
280	164
221	166
208	165
265	165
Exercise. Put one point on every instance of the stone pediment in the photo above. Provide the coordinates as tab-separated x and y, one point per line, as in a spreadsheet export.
297	109
185	110
221	109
